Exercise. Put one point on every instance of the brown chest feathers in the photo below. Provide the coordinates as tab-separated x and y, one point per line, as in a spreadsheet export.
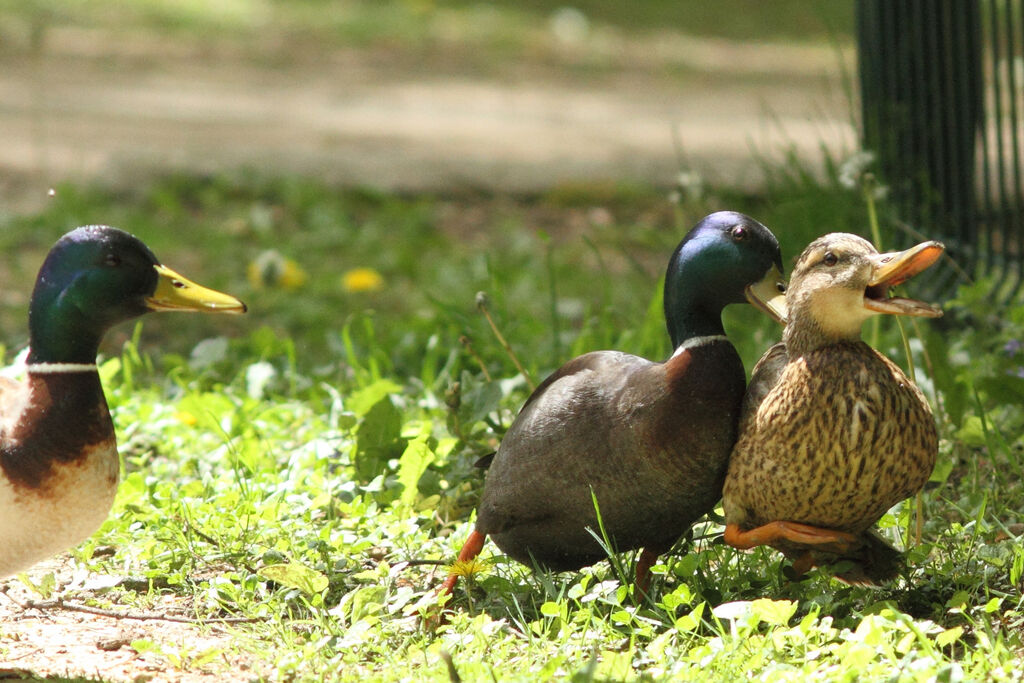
60	419
843	436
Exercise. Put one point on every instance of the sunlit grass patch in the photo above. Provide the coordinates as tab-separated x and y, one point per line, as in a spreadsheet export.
310	469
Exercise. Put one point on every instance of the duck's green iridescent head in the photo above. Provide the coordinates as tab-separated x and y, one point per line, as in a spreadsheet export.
97	276
727	258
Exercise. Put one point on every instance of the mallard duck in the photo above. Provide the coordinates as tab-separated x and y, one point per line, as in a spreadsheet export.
58	456
833	433
647	441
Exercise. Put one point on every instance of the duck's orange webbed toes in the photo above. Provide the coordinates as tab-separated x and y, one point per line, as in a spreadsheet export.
774	533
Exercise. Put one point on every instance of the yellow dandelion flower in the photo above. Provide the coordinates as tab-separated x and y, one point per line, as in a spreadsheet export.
468	568
362	280
271	269
186	418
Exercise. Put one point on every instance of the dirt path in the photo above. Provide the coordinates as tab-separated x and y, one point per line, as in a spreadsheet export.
86	108
57	643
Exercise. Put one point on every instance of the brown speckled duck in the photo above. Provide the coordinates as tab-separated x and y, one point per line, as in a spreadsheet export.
58	456
648	440
833	433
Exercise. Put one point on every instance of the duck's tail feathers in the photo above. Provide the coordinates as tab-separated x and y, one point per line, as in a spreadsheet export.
875	562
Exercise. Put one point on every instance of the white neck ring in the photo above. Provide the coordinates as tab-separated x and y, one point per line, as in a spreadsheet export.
694	342
59	368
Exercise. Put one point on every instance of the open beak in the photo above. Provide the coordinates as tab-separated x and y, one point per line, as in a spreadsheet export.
769	294
177	293
894	267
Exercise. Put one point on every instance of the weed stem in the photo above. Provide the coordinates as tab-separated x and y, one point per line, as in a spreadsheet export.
481	303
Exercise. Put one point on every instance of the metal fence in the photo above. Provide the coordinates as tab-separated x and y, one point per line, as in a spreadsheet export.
942	87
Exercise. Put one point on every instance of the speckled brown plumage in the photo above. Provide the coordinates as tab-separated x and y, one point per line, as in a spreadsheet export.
832	434
843	436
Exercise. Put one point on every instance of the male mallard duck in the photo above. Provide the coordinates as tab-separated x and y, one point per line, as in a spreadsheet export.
648	441
58	456
833	433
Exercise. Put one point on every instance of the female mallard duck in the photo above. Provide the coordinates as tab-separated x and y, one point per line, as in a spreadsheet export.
58	456
647	441
833	434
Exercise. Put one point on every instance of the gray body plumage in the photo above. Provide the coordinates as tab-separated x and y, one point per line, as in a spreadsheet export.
650	440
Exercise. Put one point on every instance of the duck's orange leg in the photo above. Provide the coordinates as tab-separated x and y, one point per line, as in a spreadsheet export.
803	564
470	549
793	532
643	570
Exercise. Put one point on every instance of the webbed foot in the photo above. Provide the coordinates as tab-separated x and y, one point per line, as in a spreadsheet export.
775	533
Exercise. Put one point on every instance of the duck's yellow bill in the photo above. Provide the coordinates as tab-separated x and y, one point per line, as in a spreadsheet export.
769	295
896	267
892	268
177	293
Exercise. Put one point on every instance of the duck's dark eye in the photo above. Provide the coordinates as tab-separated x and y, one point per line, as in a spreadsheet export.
112	260
781	287
830	259
739	233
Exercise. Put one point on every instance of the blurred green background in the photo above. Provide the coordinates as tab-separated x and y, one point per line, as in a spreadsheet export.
449	146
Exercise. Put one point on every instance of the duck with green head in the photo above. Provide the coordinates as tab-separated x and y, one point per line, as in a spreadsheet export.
647	441
58	455
833	433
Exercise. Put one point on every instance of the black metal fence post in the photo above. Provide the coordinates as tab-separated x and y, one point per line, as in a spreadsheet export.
942	92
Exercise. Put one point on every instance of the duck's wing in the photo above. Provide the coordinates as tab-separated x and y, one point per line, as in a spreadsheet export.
13	396
762	380
7	385
561	436
576	365
596	361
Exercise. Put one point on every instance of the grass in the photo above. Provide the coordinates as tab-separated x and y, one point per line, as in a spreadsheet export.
786	20
383	19
339	429
473	35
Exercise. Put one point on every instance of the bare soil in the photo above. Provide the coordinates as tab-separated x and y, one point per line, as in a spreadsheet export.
59	643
